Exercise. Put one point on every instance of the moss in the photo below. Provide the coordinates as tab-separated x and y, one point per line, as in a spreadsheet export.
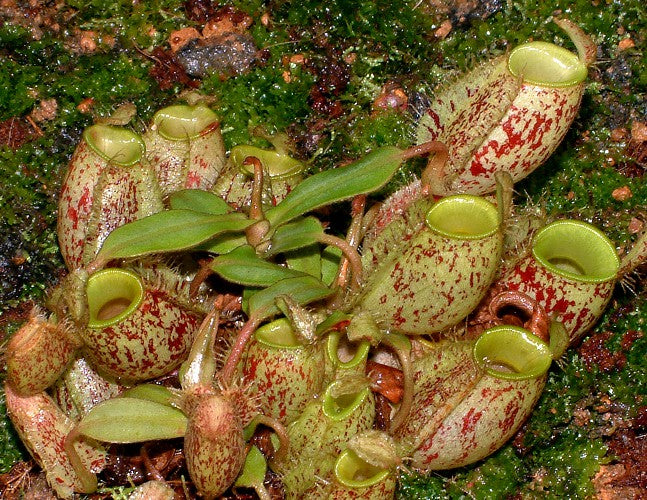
15	82
134	23
29	257
559	449
498	477
11	449
414	486
261	98
565	469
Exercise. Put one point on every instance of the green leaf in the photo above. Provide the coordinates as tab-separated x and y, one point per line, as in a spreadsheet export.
244	267
363	176
131	420
254	469
302	290
223	243
306	259
330	259
199	201
247	294
294	235
168	231
151	392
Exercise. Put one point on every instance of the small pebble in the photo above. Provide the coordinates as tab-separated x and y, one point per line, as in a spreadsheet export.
622	193
638	132
443	30
626	43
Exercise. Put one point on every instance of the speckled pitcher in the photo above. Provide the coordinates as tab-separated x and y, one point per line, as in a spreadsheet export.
571	273
439	274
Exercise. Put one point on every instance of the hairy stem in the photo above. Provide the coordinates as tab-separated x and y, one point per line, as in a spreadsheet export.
256	208
407	395
434	174
350	253
425	148
203	273
353	237
281	432
245	333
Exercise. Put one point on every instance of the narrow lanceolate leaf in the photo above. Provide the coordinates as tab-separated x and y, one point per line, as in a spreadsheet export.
302	290
199	201
131	420
152	392
223	243
306	260
244	267
363	176
296	234
168	231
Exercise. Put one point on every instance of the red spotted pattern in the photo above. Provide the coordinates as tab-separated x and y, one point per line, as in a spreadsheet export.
81	388
316	440
186	164
433	284
460	414
43	427
283	380
150	342
98	197
492	123
75	202
37	354
578	305
213	445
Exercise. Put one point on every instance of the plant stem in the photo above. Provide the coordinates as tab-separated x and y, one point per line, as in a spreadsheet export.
256	208
407	394
349	252
281	432
426	148
353	237
245	333
434	173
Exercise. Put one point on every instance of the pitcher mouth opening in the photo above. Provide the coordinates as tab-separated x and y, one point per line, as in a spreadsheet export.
546	64
113	294
345	354
576	250
278	165
352	471
339	407
117	145
278	334
181	122
463	217
512	353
